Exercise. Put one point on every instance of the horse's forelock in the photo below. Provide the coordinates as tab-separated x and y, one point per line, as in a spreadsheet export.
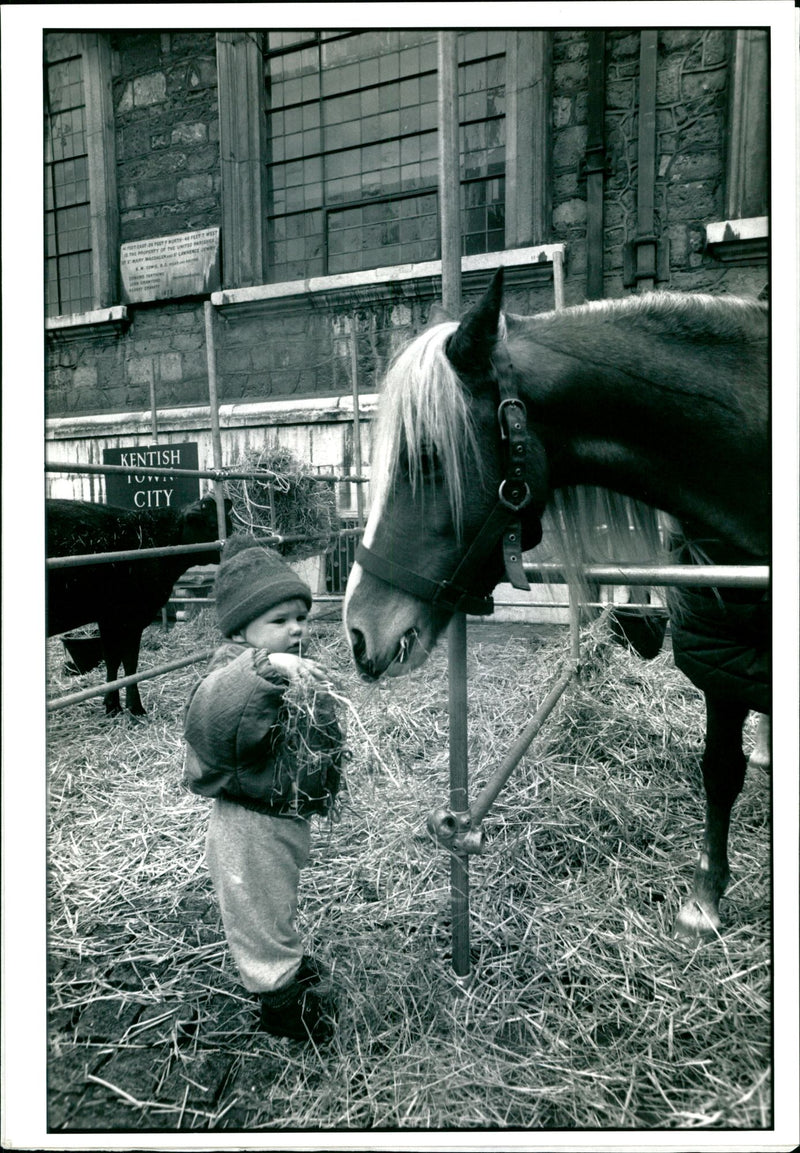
423	406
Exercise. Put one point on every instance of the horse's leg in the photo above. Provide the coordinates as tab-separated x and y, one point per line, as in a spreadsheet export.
761	757
112	654
724	768
130	661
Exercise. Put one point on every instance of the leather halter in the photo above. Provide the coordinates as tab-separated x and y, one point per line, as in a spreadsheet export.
503	523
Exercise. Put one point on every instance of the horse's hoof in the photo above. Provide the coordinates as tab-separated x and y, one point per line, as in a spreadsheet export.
695	923
760	759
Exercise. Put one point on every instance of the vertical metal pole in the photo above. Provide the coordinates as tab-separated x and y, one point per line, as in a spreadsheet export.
450	228
558	279
459	796
356	421
449	174
153	413
213	402
154	426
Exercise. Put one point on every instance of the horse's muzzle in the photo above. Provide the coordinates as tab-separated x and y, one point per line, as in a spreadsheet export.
407	655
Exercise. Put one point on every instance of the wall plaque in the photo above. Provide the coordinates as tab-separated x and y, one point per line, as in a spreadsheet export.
186	264
142	490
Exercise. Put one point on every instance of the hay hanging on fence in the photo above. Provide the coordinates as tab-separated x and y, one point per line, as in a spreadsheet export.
292	502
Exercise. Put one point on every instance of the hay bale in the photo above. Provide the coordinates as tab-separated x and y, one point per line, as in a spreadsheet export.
291	502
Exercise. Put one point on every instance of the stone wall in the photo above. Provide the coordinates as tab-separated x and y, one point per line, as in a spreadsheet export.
691	121
167	128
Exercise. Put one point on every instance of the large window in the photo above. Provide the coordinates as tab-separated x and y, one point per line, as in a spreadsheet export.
352	147
81	212
68	254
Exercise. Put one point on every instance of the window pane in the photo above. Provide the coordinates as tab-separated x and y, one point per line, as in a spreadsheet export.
60	45
64	85
285	39
67	134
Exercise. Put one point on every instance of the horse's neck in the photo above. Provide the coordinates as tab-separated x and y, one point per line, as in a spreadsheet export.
679	427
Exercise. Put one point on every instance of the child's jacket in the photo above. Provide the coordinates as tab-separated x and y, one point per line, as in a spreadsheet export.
247	743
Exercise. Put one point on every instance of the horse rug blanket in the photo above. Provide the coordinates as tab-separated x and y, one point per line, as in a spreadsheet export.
721	641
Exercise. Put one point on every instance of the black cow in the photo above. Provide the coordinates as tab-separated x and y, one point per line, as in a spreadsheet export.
122	597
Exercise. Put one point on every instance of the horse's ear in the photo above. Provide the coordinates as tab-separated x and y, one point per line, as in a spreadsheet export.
470	346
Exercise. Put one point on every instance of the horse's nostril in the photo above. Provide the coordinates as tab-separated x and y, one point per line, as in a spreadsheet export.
358	643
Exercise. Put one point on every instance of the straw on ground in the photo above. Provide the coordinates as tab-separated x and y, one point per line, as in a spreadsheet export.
583	1012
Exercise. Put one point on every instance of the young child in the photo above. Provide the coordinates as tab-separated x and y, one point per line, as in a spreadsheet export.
269	754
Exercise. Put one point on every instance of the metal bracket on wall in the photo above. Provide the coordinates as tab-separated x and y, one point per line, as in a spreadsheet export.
645	258
593	161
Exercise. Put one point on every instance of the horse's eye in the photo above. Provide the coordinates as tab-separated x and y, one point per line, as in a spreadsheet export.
429	463
425	464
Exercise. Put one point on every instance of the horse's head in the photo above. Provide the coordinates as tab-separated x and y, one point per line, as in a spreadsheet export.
438	464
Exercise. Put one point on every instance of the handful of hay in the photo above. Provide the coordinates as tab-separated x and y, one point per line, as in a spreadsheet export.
312	747
291	503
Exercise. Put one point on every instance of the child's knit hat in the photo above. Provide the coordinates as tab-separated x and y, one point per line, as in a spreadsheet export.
251	579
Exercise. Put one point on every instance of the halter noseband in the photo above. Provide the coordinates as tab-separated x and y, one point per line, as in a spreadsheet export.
502	524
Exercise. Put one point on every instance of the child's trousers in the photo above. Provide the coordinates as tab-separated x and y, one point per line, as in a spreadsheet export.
255	862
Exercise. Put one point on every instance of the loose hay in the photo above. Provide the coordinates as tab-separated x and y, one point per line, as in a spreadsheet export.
583	1011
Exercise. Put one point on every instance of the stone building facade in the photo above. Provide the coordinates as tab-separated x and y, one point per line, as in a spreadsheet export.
612	161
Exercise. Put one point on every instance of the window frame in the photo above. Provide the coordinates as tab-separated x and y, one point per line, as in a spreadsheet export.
243	148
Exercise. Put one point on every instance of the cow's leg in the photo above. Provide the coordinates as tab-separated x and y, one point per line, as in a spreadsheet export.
130	662
724	768
112	654
761	756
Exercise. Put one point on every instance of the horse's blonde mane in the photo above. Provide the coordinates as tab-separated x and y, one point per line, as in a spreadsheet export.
587	525
423	406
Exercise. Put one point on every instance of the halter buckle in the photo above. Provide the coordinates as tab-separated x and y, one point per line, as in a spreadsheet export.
501	413
526	499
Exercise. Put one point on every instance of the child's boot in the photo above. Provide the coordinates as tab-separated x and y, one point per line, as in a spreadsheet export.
297	1012
309	972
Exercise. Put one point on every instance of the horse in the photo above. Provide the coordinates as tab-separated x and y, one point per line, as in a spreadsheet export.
658	403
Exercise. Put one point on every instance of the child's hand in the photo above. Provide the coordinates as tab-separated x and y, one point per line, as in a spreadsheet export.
294	667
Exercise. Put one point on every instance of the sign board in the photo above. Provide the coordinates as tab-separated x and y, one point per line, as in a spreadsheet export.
186	264
142	490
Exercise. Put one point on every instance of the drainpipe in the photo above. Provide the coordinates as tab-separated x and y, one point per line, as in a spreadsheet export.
595	164
646	257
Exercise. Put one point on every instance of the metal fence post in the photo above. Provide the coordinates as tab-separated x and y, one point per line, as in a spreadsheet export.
356	421
450	228
213	402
